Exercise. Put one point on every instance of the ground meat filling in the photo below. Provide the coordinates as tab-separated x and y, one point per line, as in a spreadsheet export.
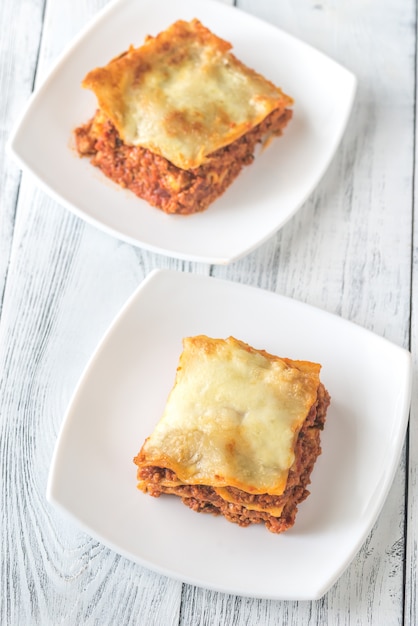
159	182
204	499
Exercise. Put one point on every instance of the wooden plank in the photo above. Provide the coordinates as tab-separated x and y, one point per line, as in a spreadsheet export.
18	58
411	561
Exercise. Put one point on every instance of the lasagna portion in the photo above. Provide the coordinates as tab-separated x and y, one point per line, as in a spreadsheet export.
179	117
239	435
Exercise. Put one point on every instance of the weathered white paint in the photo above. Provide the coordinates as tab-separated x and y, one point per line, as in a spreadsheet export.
348	250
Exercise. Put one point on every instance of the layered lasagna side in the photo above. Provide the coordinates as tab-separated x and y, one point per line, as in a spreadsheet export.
240	433
179	117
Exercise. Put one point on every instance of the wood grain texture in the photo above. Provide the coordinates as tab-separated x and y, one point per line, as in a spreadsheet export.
21	31
411	562
349	250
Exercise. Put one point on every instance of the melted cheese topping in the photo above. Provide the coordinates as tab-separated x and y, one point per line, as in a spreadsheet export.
233	416
250	506
182	95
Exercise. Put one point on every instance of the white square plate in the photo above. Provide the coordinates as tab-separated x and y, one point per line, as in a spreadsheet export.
265	195
121	397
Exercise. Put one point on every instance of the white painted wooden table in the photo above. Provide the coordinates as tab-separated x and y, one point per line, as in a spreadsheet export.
350	250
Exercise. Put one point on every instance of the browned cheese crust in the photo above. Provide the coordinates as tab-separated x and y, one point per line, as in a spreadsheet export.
156	180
